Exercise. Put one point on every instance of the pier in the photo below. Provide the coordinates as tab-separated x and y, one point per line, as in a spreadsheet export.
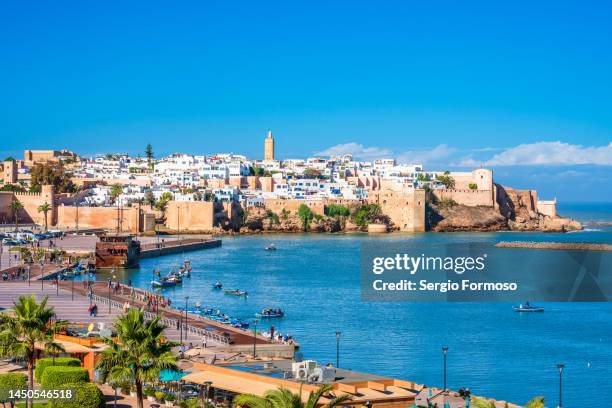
150	250
564	246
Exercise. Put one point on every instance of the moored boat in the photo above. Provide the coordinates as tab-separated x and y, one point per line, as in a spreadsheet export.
236	292
527	307
270	247
217	285
162	283
270	313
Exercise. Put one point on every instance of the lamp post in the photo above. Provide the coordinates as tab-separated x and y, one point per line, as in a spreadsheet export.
110	283
255	321
560	367
445	350
338	334
186	300
42	275
207	385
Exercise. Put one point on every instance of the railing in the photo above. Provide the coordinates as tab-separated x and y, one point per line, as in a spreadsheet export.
169	322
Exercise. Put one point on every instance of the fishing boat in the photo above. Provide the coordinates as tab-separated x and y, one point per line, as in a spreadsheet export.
527	307
174	278
162	283
217	285
270	247
270	313
236	292
186	269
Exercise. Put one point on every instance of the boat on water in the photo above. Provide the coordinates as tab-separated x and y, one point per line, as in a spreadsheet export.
162	283
217	285
236	292
527	307
174	278
270	313
186	269
270	247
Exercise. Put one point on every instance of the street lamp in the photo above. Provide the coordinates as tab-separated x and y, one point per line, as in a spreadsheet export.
42	275
207	384
186	299
338	333
255	321
445	350
560	367
110	283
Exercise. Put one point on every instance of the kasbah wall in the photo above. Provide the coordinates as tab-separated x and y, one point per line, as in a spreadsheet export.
190	215
405	207
131	219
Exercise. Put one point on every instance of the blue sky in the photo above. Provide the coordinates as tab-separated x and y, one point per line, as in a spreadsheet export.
518	86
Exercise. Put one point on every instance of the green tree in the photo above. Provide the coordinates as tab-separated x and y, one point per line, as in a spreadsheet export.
306	215
336	210
52	173
16	206
32	324
149	198
537	402
365	214
163	201
140	353
45	208
283	398
149	154
447	180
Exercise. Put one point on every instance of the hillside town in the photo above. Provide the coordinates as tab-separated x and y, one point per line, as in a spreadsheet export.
232	193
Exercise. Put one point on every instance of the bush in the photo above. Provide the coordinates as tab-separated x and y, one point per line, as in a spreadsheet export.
336	210
43	363
86	395
366	214
55	376
473	186
306	215
12	381
149	392
159	396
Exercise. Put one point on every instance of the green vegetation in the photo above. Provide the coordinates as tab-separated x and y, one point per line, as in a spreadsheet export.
311	173
86	395
52	173
45	208
43	363
336	210
447	203
15	207
272	215
473	186
12	381
365	214
190	403
285	214
56	376
482	403
283	398
536	402
140	354
149	154
163	201
447	180
306	215
15	188
423	177
115	191
149	198
32	324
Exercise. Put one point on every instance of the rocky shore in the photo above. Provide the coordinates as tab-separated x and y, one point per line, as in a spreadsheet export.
567	246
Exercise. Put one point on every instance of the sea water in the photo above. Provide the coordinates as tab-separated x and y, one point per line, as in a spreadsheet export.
494	351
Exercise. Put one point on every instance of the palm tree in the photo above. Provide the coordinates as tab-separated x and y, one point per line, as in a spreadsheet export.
45	208
140	353
536	402
115	191
33	323
16	206
482	403
283	398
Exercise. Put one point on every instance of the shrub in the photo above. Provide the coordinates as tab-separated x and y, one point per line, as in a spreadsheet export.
55	376
149	392
447	203
86	395
337	210
159	396
366	214
306	215
43	363
12	381
169	397
473	186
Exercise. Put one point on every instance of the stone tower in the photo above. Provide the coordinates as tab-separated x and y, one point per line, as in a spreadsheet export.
10	172
269	147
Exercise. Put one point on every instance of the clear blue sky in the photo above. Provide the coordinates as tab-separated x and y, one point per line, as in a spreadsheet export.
447	81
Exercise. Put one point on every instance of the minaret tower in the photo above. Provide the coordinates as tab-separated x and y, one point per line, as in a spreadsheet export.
269	147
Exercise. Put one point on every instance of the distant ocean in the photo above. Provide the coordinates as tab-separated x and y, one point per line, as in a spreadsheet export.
492	350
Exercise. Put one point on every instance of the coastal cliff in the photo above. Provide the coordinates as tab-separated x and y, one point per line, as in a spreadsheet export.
513	212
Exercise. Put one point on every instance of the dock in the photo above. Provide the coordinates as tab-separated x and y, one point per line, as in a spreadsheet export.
154	249
563	246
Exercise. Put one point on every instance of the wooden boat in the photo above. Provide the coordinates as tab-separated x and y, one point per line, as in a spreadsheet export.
236	292
270	313
526	307
162	283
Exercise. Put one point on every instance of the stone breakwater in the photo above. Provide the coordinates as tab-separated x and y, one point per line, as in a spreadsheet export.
565	246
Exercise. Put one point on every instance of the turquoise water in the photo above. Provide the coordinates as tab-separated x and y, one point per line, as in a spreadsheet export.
492	350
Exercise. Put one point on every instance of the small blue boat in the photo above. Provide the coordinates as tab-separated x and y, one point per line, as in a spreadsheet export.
163	283
527	307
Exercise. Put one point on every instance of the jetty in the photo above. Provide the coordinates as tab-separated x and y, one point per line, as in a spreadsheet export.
563	246
153	249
